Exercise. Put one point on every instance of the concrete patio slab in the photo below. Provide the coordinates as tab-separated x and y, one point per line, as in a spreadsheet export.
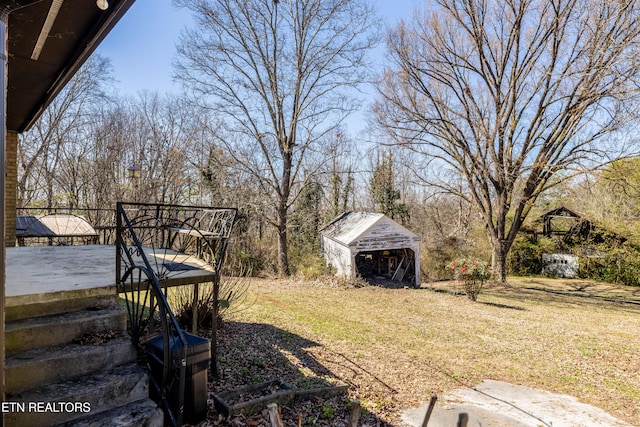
47	272
498	404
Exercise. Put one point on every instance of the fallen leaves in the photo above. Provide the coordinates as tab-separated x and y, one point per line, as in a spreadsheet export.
97	338
398	347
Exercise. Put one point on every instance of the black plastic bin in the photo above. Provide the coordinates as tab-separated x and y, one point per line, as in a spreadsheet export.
195	389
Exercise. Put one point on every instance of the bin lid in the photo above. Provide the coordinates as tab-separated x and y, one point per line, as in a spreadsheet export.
195	343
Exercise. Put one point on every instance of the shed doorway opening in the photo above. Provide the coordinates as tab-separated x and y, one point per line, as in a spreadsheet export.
391	267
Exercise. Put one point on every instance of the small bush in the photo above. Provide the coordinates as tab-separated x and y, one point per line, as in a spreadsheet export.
232	297
310	265
472	273
327	411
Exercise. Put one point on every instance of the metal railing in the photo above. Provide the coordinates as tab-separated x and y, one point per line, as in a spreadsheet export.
158	246
143	296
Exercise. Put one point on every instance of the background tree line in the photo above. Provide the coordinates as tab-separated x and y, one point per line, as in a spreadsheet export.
486	114
78	156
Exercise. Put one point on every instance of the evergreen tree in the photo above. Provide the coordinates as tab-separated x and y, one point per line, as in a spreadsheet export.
383	192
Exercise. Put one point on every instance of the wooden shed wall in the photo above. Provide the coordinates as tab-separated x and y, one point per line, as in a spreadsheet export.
381	236
338	256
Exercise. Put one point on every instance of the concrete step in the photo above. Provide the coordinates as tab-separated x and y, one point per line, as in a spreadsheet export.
56	329
143	413
44	304
36	368
93	396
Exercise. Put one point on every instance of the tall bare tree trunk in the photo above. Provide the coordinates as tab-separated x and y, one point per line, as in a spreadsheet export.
283	246
499	259
279	74
283	208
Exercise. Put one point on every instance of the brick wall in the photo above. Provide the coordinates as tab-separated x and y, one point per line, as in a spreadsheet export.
11	188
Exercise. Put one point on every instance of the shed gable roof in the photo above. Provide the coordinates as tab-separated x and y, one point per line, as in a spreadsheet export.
561	212
350	226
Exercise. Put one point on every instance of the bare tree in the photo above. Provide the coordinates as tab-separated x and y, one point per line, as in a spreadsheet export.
338	171
103	166
80	150
279	74
156	134
166	145
44	148
512	96
611	197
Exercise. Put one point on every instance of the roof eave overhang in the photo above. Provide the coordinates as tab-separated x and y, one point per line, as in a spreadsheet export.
23	111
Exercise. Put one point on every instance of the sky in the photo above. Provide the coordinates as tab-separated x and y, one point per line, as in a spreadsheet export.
141	46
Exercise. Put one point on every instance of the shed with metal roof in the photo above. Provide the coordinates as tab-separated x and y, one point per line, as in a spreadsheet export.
372	246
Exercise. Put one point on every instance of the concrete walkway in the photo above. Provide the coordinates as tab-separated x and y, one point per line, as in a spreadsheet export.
500	404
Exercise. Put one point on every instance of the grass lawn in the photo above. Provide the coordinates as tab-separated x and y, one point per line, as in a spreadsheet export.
397	347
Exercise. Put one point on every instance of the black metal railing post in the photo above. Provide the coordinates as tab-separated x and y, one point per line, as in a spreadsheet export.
170	329
164	233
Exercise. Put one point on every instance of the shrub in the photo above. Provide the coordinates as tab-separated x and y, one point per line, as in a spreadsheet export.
614	265
525	256
472	273
232	297
309	265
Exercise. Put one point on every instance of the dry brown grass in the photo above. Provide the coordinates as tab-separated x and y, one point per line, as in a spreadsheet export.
397	347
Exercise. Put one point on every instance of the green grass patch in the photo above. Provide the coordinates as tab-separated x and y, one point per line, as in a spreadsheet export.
399	346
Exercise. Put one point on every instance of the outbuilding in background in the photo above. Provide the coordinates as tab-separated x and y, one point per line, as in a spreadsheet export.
372	246
560	265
